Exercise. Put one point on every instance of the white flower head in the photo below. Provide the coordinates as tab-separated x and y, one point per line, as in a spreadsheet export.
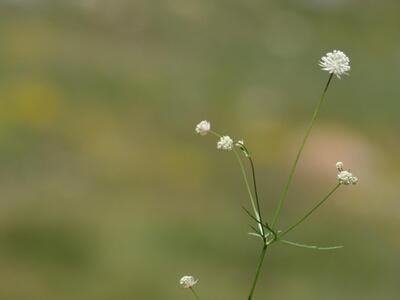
335	62
225	143
345	177
188	282
203	127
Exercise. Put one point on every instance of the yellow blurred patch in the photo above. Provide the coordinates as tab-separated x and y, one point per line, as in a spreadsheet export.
34	104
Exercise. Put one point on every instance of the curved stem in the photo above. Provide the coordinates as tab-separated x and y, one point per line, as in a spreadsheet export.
253	171
260	263
242	169
244	174
257	200
310	212
294	166
309	246
195	294
255	188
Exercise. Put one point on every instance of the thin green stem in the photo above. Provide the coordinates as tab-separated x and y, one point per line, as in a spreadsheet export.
257	274
309	246
253	172
242	169
215	133
194	293
294	166
255	188
257	200
310	212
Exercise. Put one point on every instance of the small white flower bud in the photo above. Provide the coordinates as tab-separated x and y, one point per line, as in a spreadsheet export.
239	143
225	143
339	166
203	127
188	282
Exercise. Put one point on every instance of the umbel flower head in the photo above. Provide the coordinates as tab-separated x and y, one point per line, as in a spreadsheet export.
344	176
203	127
188	282
225	143
335	62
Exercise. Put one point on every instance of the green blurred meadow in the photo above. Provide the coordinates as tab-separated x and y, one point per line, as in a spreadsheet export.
106	191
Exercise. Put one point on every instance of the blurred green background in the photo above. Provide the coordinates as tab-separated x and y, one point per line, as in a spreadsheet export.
106	191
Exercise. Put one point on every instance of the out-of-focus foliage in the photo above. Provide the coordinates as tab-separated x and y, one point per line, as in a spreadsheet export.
107	193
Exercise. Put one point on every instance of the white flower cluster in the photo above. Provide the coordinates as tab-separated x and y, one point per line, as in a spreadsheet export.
188	282
344	176
225	143
203	127
335	62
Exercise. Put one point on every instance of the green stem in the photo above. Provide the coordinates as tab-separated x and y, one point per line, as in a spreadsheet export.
215	133
294	166
255	189
244	174
310	212
195	294
260	263
257	200
242	169
253	171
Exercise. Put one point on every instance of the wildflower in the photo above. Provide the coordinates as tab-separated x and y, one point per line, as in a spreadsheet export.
225	143
344	176
188	282
335	62
203	127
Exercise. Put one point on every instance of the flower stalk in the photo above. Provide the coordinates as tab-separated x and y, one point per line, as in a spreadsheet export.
256	211
300	151
257	274
310	212
196	296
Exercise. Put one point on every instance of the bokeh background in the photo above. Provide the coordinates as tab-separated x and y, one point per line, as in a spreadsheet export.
106	191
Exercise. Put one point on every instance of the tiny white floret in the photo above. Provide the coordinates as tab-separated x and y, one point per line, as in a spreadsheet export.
335	62
225	143
339	166
203	127
188	282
